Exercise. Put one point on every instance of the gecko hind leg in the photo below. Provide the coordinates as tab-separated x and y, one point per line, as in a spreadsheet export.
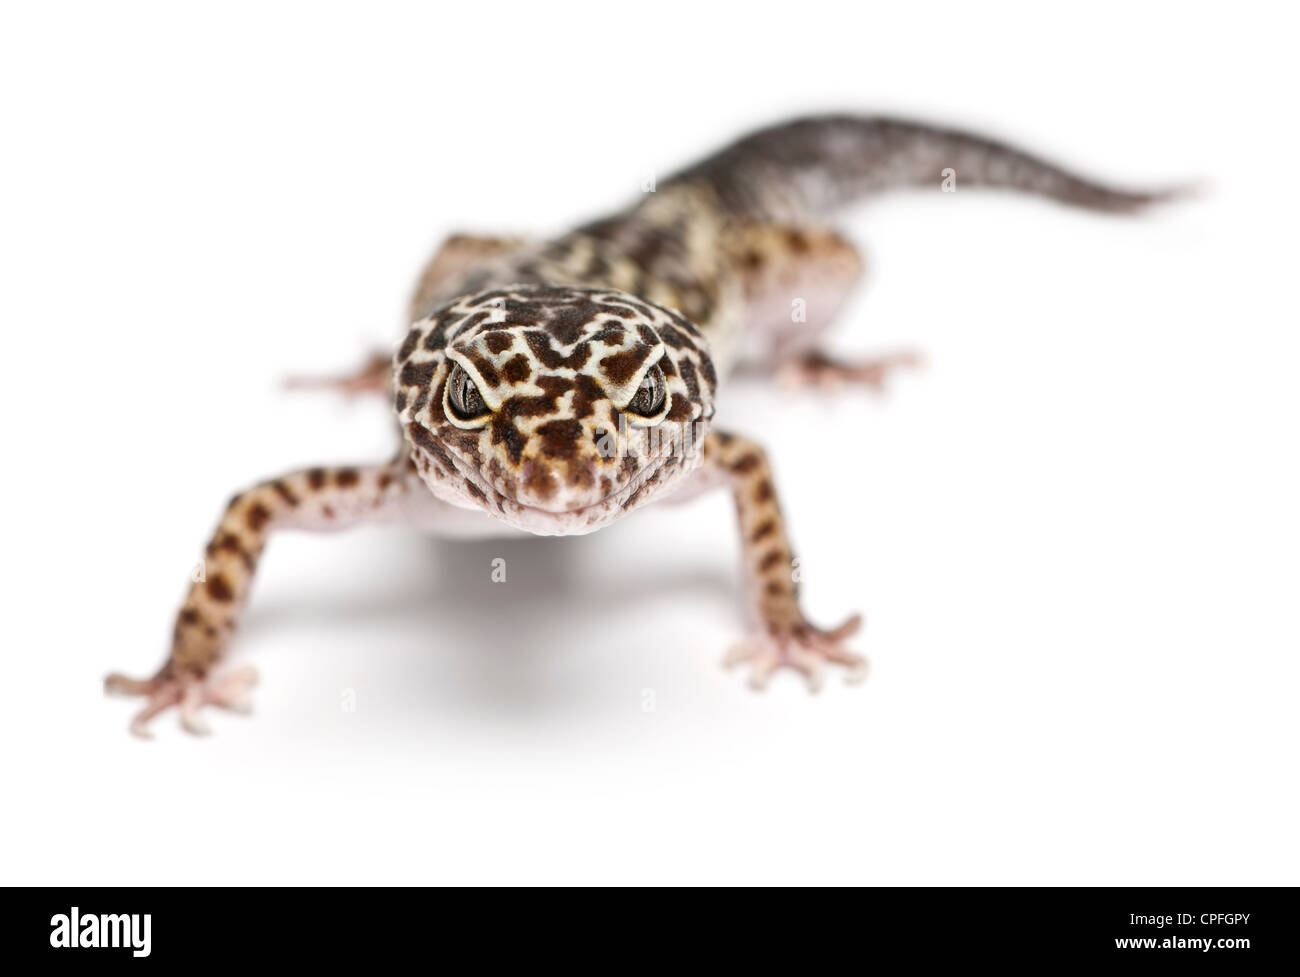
374	377
796	281
458	255
825	372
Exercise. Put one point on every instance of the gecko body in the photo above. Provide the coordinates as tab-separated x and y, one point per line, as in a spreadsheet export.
552	387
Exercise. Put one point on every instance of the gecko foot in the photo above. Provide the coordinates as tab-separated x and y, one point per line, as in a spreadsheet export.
802	647
229	690
824	372
373	377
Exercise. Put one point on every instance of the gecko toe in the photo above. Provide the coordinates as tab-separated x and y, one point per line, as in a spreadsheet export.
804	648
851	626
191	701
811	667
856	670
190	694
158	702
761	670
119	684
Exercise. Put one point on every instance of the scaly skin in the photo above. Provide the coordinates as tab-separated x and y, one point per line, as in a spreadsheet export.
552	387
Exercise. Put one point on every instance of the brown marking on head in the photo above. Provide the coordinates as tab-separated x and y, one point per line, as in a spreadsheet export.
415	374
560	439
498	342
517	369
506	434
408	345
539	482
621	367
554	367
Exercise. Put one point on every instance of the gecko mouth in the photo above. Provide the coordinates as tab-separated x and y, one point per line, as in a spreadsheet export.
498	500
571	511
612	500
616	499
557	522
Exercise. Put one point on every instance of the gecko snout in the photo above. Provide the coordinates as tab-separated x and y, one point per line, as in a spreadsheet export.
564	485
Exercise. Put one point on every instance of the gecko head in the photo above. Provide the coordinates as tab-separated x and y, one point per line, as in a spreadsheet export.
556	410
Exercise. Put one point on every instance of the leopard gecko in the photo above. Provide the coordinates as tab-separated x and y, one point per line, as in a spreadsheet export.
554	386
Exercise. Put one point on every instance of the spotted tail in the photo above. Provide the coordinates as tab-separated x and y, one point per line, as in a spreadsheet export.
808	168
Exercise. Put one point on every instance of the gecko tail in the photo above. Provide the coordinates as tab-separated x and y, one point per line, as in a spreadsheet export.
812	167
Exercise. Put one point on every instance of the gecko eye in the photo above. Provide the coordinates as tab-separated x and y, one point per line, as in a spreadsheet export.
463	397
649	397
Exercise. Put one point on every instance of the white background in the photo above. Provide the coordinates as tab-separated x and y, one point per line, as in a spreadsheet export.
1075	535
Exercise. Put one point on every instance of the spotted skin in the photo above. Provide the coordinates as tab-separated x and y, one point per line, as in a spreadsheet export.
558	452
314	499
553	386
780	635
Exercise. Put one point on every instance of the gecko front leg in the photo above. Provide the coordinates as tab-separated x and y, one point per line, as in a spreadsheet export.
782	636
320	499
